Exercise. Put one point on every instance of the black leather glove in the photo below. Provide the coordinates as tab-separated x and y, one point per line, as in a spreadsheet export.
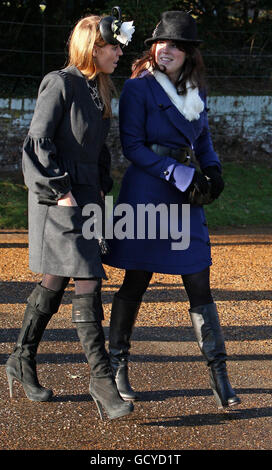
199	191
199	182
217	182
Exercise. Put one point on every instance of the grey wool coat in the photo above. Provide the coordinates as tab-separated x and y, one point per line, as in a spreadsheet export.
65	151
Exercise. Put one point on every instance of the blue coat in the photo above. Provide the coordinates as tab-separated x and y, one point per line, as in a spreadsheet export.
147	116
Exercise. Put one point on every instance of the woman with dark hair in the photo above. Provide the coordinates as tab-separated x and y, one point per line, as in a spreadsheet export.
66	165
165	134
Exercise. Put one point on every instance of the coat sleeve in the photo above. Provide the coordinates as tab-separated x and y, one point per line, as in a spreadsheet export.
132	117
104	164
203	146
39	161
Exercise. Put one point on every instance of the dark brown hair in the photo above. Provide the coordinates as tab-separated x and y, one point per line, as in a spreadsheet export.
193	69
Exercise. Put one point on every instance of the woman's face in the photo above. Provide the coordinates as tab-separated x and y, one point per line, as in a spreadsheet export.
106	58
168	55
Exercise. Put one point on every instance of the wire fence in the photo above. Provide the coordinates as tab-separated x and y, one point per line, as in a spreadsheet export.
236	62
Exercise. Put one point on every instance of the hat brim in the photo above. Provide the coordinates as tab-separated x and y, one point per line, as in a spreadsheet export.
150	41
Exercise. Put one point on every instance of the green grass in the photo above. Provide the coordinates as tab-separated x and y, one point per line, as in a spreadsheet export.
13	205
245	201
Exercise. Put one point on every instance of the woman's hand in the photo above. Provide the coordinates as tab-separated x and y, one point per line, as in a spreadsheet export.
217	182
200	182
67	200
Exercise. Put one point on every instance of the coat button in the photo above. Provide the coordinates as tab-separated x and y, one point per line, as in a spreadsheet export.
209	243
205	223
166	172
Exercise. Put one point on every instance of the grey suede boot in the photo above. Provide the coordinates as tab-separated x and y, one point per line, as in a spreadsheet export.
123	317
210	339
21	365
87	316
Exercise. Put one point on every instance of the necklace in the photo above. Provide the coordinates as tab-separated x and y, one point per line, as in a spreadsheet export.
92	85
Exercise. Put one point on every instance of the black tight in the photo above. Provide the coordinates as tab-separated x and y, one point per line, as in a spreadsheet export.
134	285
197	286
82	286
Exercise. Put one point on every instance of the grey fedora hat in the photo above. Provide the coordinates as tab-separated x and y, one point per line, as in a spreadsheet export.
175	26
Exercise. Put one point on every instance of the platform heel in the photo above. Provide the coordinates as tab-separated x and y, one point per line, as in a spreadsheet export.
21	364
87	316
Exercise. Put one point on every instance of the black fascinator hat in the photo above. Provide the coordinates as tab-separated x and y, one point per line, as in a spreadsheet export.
114	31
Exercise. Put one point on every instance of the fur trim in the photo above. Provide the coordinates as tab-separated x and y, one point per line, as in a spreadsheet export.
189	105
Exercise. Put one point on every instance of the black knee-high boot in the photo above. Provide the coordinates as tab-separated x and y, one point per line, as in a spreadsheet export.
87	316
123	317
210	339
21	365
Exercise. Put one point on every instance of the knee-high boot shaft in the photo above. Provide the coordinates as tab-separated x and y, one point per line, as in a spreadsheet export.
208	333
210	339
42	304
87	316
21	365
123	317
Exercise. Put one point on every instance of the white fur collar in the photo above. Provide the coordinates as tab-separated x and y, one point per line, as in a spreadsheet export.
189	105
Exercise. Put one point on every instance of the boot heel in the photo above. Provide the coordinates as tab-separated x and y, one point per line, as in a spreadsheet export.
226	397
99	407
10	384
233	401
109	402
33	390
216	396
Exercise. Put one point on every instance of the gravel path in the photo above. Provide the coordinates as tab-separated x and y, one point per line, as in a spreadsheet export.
176	410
